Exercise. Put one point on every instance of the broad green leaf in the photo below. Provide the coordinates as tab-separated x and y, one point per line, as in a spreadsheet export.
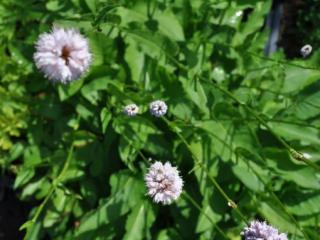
281	163
152	44
247	176
297	78
135	59
308	106
105	117
204	223
166	21
91	90
24	175
139	221
68	90
92	4
126	191
276	217
305	135
303	204
196	93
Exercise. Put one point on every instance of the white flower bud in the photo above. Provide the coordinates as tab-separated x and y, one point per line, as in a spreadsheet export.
131	110
158	108
306	50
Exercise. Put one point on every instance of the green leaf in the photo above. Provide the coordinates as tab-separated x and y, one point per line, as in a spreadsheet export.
139	221
136	130
297	78
26	225
92	4
204	223
169	25
245	174
91	90
105	117
277	218
24	175
197	94
102	48
308	106
304	204
68	90
220	138
152	44
127	153
135	59
305	135
166	22
80	138
281	163
126	191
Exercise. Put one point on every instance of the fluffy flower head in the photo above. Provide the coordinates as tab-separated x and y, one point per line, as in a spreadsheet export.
158	108
262	231
131	110
163	182
62	55
306	50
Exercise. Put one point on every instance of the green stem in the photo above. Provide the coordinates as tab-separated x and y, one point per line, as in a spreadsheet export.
276	199
196	205
53	188
293	152
280	61
230	202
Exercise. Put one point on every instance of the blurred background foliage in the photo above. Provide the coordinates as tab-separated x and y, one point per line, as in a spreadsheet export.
80	162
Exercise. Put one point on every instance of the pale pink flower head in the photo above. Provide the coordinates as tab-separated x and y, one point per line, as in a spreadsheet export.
63	55
262	231
131	110
163	182
158	108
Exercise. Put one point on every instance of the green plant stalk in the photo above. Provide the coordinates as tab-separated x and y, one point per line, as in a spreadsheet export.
292	151
277	61
270	190
51	192
230	202
276	199
196	205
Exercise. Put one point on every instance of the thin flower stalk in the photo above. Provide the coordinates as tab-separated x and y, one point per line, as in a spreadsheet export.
278	201
292	151
29	225
196	205
213	180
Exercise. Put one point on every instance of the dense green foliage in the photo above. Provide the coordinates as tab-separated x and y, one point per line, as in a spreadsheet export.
233	114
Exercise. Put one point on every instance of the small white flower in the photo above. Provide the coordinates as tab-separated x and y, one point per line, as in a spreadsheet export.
261	230
62	55
306	50
163	182
158	108
131	110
